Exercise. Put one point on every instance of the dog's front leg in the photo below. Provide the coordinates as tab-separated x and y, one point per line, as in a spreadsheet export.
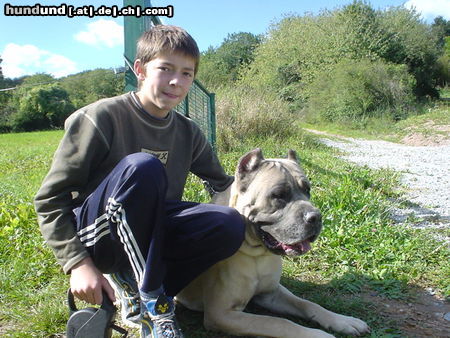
247	324
283	301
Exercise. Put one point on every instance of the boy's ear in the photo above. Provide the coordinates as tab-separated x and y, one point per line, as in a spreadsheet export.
139	69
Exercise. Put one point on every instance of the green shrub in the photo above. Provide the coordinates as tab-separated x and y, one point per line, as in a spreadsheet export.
443	71
358	90
41	107
297	50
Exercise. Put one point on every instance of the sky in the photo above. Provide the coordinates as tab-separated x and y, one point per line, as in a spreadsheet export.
63	45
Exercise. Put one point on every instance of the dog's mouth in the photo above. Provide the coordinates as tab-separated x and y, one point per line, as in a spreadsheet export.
279	248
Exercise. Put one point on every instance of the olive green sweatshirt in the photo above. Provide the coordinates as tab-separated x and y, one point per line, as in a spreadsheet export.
96	138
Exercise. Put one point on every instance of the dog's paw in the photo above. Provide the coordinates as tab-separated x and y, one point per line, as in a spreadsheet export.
349	325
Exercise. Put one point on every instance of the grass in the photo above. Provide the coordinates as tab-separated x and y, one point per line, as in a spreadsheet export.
359	250
30	280
427	123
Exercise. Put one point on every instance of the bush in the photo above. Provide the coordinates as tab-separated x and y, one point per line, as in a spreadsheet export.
41	107
443	71
297	50
357	90
244	113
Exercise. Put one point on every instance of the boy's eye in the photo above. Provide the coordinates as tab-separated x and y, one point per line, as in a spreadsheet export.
164	69
188	74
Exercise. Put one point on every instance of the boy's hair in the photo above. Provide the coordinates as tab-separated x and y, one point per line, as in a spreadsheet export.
166	38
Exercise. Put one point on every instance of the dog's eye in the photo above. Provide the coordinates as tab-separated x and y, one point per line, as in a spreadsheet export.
281	194
306	187
308	191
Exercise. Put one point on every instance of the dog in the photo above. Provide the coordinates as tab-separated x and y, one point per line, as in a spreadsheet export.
273	197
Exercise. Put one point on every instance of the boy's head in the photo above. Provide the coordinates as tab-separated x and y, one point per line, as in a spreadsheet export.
166	62
166	39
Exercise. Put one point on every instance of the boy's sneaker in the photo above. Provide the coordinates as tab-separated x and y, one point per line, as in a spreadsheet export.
127	292
158	319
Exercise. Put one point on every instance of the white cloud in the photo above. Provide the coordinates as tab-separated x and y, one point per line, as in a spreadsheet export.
59	65
102	33
28	59
430	8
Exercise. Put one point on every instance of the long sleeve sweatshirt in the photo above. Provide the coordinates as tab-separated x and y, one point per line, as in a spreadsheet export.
96	138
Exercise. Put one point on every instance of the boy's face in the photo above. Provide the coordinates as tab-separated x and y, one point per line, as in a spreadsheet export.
165	82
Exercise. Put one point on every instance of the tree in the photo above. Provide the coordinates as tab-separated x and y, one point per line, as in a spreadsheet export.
4	98
441	28
89	86
236	51
37	79
212	72
363	35
222	65
443	65
447	46
412	42
298	49
41	107
1	72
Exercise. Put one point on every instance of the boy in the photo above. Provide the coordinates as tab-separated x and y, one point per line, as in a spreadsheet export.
111	202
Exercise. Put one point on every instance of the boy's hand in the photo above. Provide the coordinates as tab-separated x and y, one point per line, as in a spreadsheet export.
87	283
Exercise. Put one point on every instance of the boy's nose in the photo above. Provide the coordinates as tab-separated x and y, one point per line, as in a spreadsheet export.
174	81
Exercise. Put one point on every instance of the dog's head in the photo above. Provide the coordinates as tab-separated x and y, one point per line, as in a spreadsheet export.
273	195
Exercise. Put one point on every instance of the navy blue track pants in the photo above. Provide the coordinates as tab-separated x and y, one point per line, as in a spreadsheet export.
127	221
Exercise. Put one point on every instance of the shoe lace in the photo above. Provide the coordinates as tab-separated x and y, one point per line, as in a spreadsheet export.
133	302
130	296
166	325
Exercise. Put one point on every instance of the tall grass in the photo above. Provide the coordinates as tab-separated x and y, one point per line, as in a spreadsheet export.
243	113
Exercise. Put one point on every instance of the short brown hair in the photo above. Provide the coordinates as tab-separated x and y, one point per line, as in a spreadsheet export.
166	38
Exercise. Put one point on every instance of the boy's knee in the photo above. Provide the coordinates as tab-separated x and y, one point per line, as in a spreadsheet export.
144	172
233	228
145	164
143	161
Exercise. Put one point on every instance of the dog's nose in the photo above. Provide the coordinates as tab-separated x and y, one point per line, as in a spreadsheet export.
312	217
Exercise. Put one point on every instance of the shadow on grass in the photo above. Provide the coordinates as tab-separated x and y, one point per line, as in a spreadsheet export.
351	295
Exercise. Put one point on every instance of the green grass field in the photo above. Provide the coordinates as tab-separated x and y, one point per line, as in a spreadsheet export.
360	251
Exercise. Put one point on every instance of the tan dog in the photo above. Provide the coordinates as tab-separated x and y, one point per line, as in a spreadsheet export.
273	196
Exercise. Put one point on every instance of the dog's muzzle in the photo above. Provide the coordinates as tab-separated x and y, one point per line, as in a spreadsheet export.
311	225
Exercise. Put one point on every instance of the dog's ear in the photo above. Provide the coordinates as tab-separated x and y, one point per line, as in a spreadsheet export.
250	161
247	164
292	155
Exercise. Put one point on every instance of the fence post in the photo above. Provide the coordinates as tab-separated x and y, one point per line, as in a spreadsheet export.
212	117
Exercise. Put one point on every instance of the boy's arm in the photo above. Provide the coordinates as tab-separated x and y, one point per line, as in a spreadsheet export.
207	166
80	150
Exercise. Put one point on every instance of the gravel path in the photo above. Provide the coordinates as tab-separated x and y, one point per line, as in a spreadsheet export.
425	174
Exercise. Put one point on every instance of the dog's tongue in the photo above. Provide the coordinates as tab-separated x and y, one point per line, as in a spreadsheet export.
301	247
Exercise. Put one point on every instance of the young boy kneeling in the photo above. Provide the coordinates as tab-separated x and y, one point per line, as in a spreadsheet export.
111	202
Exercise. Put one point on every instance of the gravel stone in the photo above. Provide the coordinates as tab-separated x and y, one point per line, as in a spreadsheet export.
425	175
